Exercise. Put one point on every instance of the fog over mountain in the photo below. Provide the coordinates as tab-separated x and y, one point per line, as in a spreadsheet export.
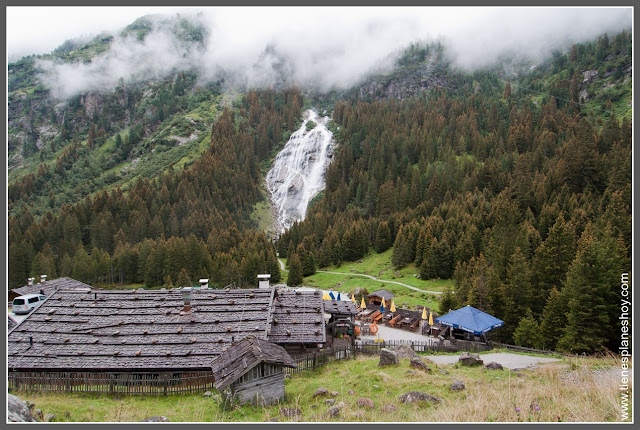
327	48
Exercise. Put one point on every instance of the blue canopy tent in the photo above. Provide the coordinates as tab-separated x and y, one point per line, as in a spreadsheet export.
470	319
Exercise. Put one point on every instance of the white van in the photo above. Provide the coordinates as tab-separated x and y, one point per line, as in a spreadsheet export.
24	304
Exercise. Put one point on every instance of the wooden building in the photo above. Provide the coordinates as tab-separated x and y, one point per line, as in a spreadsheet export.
153	334
48	287
253	371
341	317
375	298
11	323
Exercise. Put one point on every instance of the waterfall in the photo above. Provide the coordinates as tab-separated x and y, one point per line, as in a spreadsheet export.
297	174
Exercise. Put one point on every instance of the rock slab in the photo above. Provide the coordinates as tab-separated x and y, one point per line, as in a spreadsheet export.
404	351
388	357
419	364
18	410
469	359
418	396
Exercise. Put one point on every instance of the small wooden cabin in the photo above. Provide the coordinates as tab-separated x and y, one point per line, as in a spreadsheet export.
375	298
253	370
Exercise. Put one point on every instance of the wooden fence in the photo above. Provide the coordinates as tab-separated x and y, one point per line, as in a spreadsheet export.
524	349
138	383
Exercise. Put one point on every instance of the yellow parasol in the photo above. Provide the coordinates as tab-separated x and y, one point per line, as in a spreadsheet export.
383	303
326	297
353	299
430	318
362	304
393	306
424	313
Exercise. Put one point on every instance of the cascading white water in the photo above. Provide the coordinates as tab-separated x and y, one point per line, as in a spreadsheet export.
297	174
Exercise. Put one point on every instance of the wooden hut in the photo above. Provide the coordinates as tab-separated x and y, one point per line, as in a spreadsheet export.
253	370
376	297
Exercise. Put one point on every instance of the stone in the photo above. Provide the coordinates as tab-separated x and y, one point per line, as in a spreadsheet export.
290	412
365	402
330	402
419	364
334	411
443	372
411	372
388	357
50	418
18	411
351	392
418	396
157	419
335	393
493	366
404	351
457	386
38	414
469	359
375	386
388	408
321	392
208	394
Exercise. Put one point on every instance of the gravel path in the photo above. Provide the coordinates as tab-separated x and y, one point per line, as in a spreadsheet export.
507	359
390	333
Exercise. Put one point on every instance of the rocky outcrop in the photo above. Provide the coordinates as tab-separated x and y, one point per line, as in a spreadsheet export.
18	410
388	357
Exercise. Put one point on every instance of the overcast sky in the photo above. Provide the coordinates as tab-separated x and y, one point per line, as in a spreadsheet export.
328	43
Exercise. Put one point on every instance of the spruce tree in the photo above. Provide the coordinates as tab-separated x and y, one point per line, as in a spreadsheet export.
383	237
528	332
295	272
554	319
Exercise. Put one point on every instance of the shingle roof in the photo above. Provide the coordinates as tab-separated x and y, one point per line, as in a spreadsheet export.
388	295
51	286
297	317
11	323
340	307
139	329
242	356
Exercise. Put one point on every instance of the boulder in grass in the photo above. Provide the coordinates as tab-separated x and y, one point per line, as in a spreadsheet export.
18	411
334	411
290	412
335	393
50	418
388	408
405	351
418	396
366	402
457	386
493	366
469	359
419	364
157	419
388	357
321	392
330	402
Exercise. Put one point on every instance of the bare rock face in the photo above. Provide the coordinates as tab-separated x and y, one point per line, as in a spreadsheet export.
365	402
493	366
419	364
469	359
18	411
418	396
388	357
405	351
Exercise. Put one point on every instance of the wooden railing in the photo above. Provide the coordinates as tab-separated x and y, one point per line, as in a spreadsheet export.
524	349
135	383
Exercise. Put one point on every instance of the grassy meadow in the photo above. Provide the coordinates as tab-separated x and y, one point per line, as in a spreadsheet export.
582	389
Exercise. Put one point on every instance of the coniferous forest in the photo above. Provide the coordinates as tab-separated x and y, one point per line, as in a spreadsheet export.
516	186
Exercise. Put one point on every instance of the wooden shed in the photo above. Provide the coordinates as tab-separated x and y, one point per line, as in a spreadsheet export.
375	298
253	370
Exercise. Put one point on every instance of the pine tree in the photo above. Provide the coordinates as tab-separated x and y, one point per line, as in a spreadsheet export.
184	280
590	284
295	271
383	237
554	319
528	332
447	301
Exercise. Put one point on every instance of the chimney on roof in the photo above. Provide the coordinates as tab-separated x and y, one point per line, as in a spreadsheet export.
30	281
186	298
263	281
43	278
204	284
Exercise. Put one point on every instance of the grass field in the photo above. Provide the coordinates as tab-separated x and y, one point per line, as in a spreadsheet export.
576	390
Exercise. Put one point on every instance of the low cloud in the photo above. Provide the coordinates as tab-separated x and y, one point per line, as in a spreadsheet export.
327	48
